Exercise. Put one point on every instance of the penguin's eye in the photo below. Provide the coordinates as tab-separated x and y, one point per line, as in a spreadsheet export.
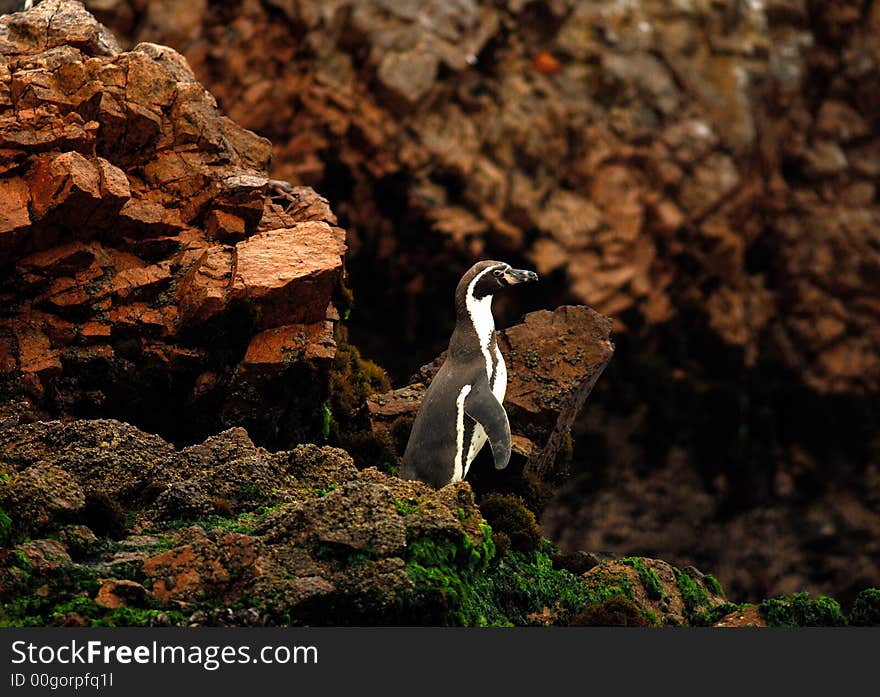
498	273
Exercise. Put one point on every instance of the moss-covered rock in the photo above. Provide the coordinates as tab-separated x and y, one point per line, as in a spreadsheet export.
614	612
665	593
800	610
508	516
866	609
238	535
39	495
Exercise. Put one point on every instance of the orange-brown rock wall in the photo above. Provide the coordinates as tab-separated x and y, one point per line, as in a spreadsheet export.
145	258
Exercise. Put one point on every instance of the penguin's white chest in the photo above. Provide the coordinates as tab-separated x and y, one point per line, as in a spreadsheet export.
480	312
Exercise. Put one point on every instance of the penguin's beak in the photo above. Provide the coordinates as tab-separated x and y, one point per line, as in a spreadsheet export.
514	276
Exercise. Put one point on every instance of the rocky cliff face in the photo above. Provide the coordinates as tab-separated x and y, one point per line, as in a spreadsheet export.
656	157
703	172
150	271
155	273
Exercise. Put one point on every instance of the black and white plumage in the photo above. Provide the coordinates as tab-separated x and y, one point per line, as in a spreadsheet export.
462	408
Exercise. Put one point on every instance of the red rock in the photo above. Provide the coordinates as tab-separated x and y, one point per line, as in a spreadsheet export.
35	353
667	218
290	273
57	23
142	282
117	170
14	216
283	345
203	567
44	555
224	226
839	121
67	180
65	259
546	63
301	203
204	291
570	219
65	292
8	362
748	616
114	183
408	75
140	316
147	215
95	330
115	593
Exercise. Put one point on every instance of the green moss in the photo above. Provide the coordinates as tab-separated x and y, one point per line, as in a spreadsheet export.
706	618
371	449
27	608
352	380
615	612
866	609
713	585
326	417
99	616
602	585
648	577
450	582
22	561
321	492
508	515
5	528
652	618
693	595
527	587
244	523
406	507
343	556
799	610
137	617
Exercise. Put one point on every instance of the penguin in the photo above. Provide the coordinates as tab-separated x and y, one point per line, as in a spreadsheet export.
462	408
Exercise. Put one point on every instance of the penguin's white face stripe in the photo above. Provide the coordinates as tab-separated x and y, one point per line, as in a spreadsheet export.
458	468
480	312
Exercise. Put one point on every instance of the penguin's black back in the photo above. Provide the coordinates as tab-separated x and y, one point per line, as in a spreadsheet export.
433	442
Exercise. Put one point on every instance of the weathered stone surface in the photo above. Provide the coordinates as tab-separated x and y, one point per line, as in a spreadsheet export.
288	273
747	617
123	185
315	540
115	593
40	494
283	345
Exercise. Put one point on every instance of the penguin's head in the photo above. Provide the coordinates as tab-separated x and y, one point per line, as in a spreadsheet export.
487	277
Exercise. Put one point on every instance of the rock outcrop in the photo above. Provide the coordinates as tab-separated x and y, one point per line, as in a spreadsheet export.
225	532
151	266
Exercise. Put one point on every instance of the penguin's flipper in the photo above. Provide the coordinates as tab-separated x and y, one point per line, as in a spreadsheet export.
482	406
